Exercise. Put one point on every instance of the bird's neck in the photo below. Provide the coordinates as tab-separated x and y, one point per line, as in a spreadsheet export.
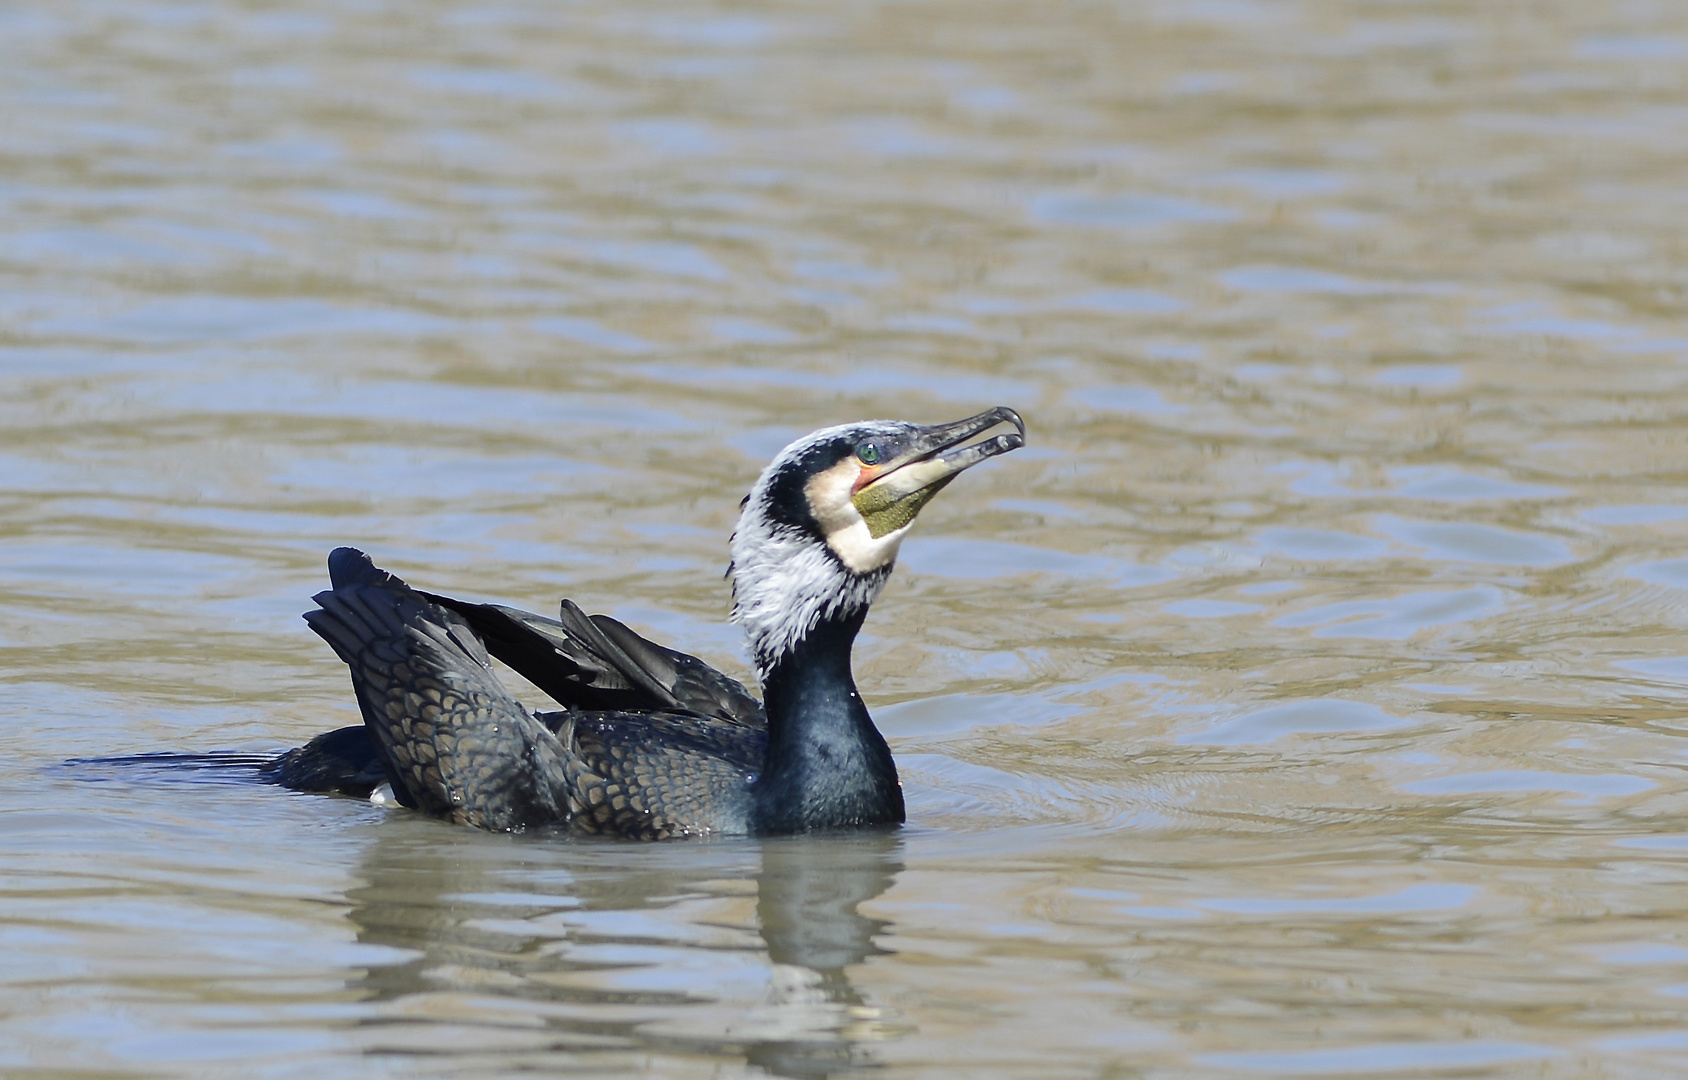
827	765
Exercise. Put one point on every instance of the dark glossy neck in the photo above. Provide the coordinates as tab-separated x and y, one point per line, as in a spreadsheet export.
827	765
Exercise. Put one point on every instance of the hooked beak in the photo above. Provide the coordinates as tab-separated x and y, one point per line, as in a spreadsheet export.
890	494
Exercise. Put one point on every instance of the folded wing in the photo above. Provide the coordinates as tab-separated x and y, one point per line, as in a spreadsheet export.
594	663
452	740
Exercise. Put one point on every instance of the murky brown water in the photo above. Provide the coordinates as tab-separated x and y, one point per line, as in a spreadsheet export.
1309	699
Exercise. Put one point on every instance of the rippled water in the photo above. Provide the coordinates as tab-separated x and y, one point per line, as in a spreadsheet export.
1305	700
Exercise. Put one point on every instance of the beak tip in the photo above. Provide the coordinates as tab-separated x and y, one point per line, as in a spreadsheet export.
1003	412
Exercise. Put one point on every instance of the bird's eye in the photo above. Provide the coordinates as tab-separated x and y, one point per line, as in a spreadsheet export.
869	453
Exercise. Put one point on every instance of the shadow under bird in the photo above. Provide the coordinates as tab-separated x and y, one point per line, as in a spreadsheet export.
651	743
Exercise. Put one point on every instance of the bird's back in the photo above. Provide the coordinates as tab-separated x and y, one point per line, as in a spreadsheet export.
454	742
652	776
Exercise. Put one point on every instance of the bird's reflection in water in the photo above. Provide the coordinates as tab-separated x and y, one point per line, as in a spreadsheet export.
807	905
538	953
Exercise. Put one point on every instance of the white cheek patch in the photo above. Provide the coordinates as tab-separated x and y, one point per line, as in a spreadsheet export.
784	583
857	549
847	535
829	495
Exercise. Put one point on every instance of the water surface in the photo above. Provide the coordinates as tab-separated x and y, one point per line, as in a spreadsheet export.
1303	701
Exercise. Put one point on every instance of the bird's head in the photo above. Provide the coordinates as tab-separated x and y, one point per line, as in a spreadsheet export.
821	528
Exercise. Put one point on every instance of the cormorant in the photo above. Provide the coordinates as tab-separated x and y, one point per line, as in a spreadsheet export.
651	743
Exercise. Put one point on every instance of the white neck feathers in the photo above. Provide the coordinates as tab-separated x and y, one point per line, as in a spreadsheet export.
786	583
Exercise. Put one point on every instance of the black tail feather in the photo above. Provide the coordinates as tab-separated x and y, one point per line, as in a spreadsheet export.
174	768
349	566
448	736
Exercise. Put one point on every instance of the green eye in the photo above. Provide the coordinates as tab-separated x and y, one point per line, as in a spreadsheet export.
868	453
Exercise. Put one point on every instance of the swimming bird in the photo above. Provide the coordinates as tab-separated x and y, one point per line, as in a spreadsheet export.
651	743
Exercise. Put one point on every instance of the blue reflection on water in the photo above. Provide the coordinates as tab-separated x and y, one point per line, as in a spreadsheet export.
1209	609
1319	544
950	713
1634	514
1123	301
591	332
1470	542
1128	399
1298	279
1429	896
1061	208
1283	183
1398	617
960	557
232	318
1625	48
1325	716
1590	787
1385	1057
491	82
